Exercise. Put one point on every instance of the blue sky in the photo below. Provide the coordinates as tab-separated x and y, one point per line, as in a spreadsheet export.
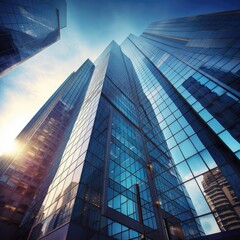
91	26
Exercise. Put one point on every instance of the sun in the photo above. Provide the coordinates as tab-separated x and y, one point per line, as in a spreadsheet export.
9	147
8	143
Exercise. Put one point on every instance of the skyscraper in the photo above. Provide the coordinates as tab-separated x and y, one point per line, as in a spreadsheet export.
219	194
42	140
151	129
27	27
189	68
158	122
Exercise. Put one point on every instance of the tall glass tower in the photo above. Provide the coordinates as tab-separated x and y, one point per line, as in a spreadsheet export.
154	153
189	70
154	150
27	27
29	172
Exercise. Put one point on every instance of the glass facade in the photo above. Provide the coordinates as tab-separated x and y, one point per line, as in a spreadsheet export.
29	172
154	150
197	112
27	27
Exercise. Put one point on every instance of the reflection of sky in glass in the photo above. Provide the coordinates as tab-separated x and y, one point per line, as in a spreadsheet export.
199	181
176	154
209	224
187	148
208	159
197	197
190	154
231	142
184	171
197	165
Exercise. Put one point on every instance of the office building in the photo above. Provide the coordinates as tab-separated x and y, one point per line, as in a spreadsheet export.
27	27
42	142
221	198
160	116
158	122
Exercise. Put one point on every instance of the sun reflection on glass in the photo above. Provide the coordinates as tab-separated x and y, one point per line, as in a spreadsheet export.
9	147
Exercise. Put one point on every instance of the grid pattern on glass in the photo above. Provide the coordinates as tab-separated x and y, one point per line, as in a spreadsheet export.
21	180
28	27
179	74
190	155
72	98
155	146
88	203
75	152
119	231
127	169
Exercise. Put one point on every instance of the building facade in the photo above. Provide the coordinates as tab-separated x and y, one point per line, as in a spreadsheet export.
153	151
197	109
27	27
219	194
41	141
160	117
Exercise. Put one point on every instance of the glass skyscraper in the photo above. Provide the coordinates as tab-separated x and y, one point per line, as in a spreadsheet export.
27	27
153	151
42	141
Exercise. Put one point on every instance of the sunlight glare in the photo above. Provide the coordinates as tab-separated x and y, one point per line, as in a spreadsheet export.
9	147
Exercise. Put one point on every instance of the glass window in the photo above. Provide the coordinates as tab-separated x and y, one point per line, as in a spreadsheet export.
187	148
209	224
197	165
197	197
176	154
230	141
175	127
171	142
208	159
216	126
197	143
180	136
205	115
184	171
